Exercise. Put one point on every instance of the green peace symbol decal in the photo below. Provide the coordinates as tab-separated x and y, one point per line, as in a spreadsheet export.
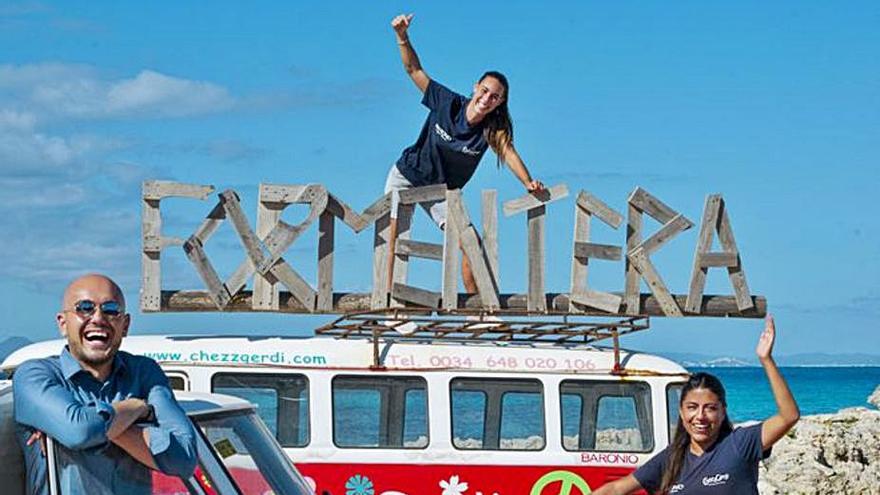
568	480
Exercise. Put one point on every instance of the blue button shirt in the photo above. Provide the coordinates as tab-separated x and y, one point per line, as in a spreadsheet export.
56	396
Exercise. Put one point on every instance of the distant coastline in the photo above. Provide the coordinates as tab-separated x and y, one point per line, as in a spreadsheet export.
806	360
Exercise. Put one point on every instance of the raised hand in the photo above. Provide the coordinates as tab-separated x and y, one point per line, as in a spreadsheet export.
401	24
535	186
765	342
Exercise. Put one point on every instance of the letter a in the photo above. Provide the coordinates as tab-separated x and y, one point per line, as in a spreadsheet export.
715	219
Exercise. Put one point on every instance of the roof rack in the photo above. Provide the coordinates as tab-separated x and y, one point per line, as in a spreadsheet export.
410	324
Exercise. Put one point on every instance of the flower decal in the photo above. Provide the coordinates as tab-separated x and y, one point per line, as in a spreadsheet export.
359	485
453	487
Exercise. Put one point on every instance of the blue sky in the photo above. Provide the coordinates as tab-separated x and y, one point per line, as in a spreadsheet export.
776	106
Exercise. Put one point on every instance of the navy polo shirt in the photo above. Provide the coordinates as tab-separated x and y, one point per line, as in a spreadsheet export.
730	467
448	150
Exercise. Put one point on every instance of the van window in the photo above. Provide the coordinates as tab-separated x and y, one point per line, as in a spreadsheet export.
282	401
606	416
673	398
176	381
388	412
497	414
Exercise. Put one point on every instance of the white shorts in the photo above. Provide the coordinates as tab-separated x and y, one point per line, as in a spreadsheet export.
397	182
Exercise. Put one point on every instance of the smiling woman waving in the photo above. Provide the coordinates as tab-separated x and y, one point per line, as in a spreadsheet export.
707	455
456	134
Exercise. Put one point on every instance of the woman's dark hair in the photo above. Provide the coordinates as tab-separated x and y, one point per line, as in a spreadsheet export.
499	128
681	441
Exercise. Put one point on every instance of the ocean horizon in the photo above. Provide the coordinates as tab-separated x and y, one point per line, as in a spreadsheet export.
817	389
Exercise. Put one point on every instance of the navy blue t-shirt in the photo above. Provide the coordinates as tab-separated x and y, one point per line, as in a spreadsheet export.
448	150
730	467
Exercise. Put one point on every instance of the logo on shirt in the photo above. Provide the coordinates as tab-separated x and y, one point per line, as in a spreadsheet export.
468	151
718	479
442	133
676	488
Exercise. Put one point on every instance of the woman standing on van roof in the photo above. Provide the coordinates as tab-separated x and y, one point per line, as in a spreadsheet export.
706	452
454	138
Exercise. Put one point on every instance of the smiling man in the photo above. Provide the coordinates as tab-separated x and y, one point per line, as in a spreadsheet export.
112	414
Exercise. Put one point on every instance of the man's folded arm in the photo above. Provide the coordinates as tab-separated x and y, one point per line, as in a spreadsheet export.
42	403
171	439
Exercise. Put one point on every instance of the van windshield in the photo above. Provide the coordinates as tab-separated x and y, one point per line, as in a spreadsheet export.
237	455
250	454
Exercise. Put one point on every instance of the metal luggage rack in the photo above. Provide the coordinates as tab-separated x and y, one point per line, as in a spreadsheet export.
477	325
420	325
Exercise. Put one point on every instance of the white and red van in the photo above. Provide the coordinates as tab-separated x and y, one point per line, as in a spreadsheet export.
412	416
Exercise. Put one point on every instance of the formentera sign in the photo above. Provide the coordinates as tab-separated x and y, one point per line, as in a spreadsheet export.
278	287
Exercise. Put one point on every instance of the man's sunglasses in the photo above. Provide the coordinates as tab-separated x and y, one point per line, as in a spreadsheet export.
86	308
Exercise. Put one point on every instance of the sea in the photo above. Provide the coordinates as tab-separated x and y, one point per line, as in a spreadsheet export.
817	389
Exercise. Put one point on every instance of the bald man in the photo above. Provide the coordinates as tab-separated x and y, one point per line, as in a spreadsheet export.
112	413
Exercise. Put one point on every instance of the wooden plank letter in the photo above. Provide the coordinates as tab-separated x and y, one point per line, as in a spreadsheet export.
451	243
586	206
265	286
326	233
537	301
400	259
715	220
489	220
667	303
381	237
638	253
535	199
152	240
470	244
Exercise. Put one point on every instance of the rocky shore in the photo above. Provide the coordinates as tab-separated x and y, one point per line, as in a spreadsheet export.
827	453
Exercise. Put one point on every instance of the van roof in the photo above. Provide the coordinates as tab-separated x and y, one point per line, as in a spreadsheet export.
332	353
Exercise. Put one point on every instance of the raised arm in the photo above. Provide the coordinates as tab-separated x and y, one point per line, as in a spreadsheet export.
518	167
787	413
411	63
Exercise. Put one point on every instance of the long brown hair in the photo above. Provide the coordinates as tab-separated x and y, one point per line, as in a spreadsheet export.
682	440
498	129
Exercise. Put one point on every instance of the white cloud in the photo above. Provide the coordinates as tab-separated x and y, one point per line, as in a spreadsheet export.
11	120
62	262
71	201
30	151
35	97
38	194
26	152
63	229
70	91
154	92
22	78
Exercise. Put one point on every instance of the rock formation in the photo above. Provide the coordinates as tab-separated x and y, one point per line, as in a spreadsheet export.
827	453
